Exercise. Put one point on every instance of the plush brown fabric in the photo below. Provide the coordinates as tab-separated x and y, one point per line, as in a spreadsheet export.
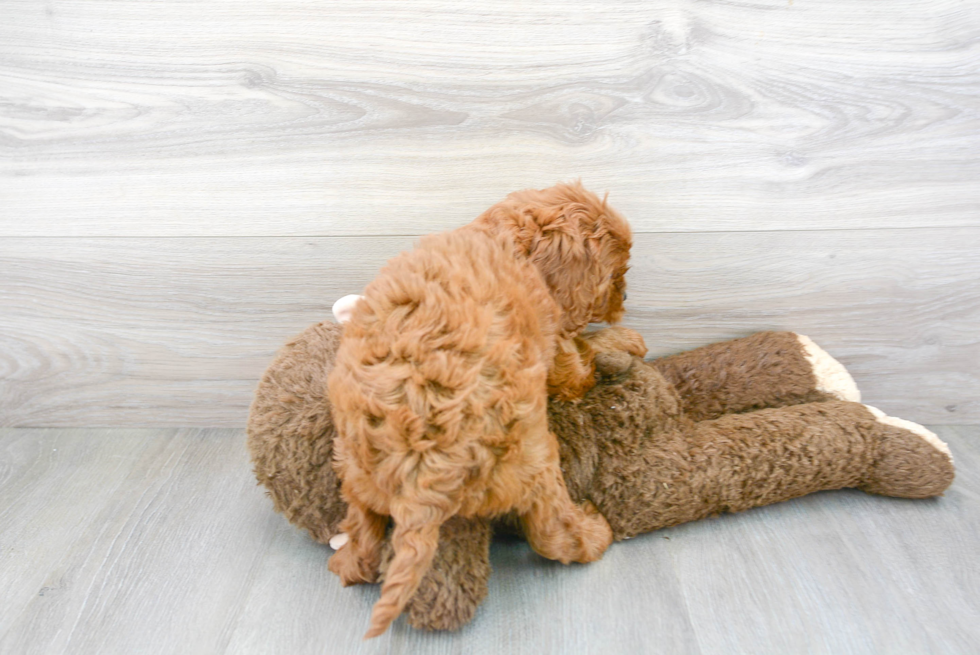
644	480
767	369
906	466
653	444
291	433
456	584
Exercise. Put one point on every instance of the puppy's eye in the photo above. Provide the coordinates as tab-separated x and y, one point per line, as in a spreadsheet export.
624	295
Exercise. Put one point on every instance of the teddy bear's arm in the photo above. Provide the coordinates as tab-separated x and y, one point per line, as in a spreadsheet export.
768	369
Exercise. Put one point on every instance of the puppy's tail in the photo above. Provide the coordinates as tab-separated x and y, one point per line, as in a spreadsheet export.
415	540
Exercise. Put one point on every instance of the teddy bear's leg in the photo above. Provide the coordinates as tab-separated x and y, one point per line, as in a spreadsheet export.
775	454
747	460
359	559
456	582
769	369
911	461
736	462
559	529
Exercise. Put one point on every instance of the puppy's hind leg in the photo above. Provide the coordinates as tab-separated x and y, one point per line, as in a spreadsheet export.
359	559
559	529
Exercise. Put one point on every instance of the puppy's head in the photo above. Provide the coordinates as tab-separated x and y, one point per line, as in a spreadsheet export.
577	241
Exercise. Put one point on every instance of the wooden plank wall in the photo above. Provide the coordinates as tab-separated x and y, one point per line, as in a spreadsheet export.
183	185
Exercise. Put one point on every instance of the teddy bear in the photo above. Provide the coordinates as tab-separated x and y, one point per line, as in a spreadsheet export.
721	428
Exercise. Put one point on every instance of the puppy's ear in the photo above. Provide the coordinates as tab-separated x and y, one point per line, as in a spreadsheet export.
503	220
564	239
569	259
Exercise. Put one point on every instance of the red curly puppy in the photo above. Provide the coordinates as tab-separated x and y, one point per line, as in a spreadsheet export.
441	383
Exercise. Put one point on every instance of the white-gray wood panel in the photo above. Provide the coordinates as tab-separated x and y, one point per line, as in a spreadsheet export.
158	541
176	332
300	118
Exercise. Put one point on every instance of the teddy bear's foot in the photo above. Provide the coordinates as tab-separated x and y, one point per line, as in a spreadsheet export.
830	375
911	461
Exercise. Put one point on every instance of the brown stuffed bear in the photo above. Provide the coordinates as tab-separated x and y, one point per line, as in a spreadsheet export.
718	429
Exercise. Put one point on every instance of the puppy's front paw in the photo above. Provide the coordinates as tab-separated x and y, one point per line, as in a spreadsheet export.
573	390
352	569
618	339
630	340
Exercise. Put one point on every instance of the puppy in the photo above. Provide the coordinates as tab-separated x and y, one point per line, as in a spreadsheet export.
441	384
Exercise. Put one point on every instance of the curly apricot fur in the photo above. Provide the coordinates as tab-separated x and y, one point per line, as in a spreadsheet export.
441	383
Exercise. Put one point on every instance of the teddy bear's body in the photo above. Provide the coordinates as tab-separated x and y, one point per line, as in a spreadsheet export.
752	429
722	428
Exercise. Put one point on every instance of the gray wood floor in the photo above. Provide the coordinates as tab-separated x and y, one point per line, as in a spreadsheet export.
158	541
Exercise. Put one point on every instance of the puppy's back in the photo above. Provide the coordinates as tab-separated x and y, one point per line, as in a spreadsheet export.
449	345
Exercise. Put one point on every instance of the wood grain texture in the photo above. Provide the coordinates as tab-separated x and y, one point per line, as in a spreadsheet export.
152	544
176	332
158	541
185	184
299	118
